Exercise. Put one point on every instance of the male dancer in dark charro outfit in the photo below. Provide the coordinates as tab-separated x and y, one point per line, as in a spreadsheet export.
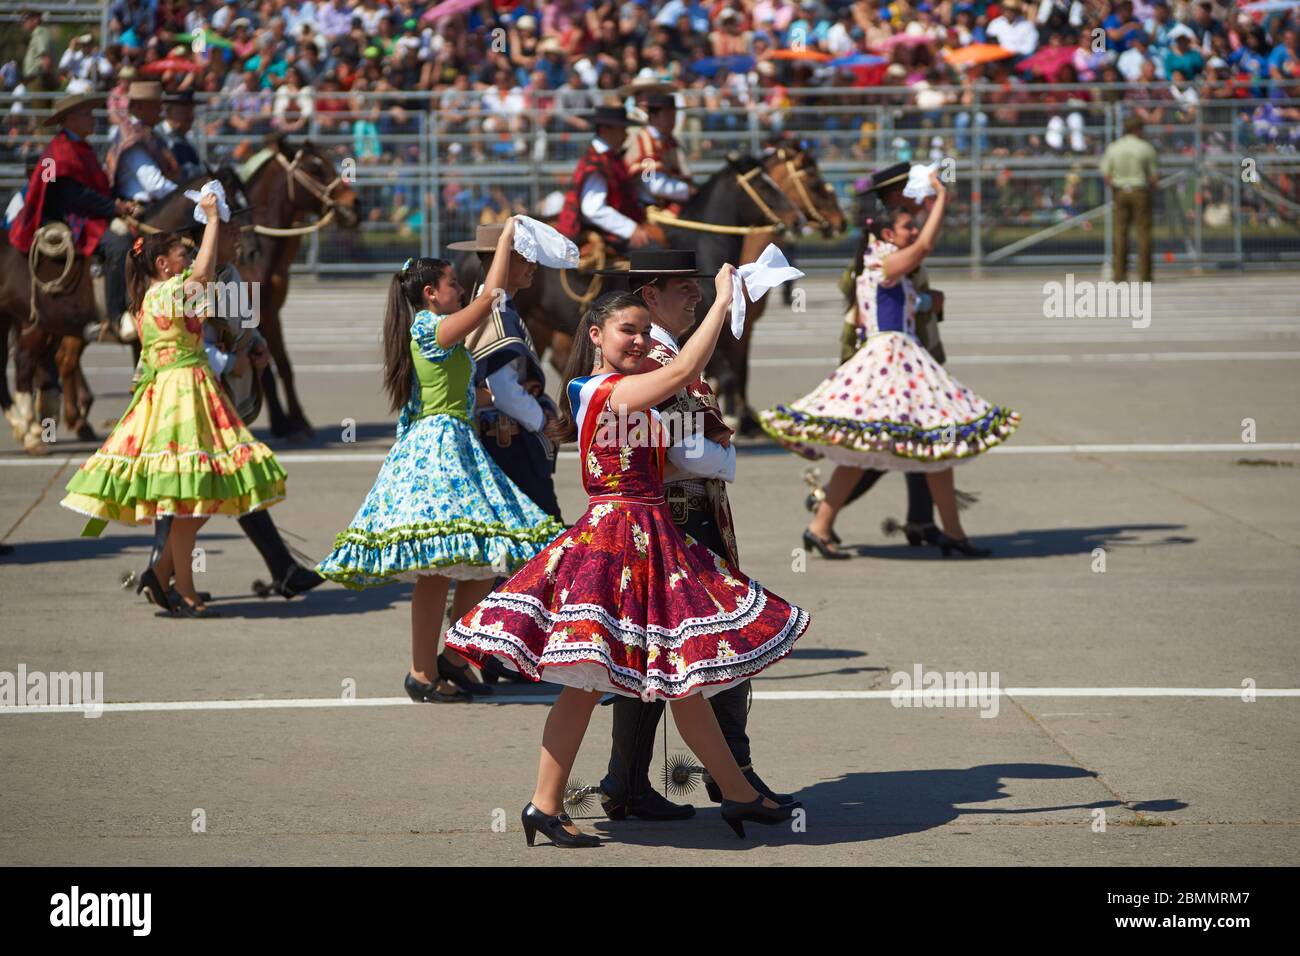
665	279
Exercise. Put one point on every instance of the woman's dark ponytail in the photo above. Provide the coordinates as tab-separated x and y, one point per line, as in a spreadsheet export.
405	298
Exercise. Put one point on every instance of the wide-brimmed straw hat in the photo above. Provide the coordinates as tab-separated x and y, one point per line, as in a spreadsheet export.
69	103
485	240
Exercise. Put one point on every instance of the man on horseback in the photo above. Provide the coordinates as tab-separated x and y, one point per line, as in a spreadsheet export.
602	195
68	184
174	134
655	158
139	169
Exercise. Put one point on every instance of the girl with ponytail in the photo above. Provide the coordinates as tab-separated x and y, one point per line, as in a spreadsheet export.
440	509
180	450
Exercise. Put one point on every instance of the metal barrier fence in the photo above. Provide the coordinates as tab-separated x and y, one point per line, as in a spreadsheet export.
1025	179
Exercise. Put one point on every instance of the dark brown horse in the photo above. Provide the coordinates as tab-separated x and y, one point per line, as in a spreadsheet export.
795	172
739	196
290	184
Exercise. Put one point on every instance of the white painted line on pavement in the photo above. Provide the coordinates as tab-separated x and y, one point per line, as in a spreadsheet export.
347	458
828	362
302	703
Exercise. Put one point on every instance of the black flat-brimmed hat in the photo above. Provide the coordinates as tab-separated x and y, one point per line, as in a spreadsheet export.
889	176
609	116
653	263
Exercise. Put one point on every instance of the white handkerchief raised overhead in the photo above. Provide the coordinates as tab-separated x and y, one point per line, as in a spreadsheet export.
767	272
540	243
918	182
211	186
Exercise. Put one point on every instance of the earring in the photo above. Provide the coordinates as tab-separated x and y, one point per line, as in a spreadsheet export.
599	360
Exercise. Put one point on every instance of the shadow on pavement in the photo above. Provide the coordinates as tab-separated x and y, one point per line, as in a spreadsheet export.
73	548
1039	542
860	807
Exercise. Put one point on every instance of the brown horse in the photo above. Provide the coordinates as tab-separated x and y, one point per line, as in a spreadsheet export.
47	351
739	196
291	183
795	172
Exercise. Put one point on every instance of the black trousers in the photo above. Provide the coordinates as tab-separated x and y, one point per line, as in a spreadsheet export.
115	248
261	530
636	722
920	506
525	463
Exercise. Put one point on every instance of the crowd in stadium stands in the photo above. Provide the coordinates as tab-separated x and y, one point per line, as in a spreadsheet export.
511	68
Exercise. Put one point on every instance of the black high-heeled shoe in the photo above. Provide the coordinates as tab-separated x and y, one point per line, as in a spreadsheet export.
186	609
458	674
715	792
154	592
736	813
423	693
553	828
962	546
823	548
919	534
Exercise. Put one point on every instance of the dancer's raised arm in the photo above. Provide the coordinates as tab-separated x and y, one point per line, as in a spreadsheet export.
905	260
636	392
456	326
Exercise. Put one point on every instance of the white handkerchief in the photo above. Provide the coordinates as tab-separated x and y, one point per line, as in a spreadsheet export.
767	272
540	243
918	182
211	186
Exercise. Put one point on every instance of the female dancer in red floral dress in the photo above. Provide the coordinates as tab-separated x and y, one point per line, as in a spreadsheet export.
621	602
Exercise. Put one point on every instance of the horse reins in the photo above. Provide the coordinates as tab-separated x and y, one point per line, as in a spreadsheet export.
796	175
655	214
322	194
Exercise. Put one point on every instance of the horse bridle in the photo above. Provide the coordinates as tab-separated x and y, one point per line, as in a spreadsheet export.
796	175
324	194
744	180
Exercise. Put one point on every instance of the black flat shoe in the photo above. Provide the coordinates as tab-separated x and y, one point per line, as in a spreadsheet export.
736	813
458	674
423	693
651	805
553	828
299	580
755	781
822	547
962	546
153	591
493	670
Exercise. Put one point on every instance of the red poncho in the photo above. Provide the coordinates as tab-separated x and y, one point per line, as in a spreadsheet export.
72	159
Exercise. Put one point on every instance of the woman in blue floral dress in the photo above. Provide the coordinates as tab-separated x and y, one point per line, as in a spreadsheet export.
440	509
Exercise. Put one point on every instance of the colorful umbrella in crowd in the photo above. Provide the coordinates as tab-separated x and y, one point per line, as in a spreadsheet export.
169	64
978	53
858	60
1048	61
813	55
711	65
448	8
903	39
210	39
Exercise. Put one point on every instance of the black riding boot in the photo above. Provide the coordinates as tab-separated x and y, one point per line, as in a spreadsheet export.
162	527
288	577
920	505
865	484
626	787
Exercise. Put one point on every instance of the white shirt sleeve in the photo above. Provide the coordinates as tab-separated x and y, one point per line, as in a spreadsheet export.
596	208
663	186
219	360
704	458
511	398
149	179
